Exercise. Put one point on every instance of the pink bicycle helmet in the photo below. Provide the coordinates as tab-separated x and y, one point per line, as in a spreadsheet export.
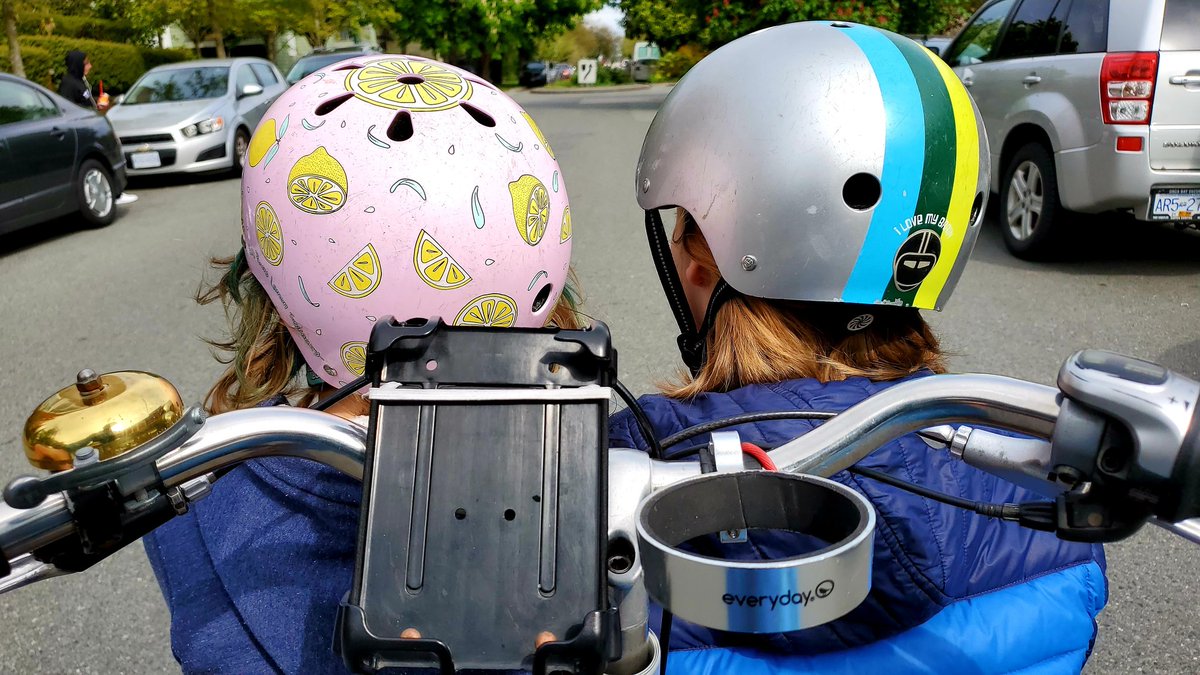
404	186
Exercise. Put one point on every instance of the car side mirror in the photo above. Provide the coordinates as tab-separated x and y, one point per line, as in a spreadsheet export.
251	90
935	50
119	99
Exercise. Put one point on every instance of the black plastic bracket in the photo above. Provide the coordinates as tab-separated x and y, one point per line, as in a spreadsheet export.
485	490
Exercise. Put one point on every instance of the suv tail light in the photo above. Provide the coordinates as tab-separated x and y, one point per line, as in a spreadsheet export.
1127	87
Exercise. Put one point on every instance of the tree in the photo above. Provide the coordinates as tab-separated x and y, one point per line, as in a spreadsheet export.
581	42
669	24
712	23
8	12
476	33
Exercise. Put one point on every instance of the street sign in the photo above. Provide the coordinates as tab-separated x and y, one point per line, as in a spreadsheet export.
587	71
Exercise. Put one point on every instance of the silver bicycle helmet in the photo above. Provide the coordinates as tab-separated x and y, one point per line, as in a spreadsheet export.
853	170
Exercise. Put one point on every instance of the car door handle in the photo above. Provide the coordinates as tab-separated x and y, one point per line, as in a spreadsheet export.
58	133
1185	79
968	81
1031	79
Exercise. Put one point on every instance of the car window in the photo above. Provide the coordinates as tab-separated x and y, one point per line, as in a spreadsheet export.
180	84
1180	26
1086	30
1033	30
52	110
311	64
245	76
19	103
977	40
266	76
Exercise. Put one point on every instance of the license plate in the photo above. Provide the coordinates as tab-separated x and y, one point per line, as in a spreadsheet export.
145	160
1176	204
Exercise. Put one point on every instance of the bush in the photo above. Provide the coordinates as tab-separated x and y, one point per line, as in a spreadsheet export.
118	65
40	66
606	75
673	65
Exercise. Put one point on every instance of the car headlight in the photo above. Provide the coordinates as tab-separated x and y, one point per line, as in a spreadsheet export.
204	127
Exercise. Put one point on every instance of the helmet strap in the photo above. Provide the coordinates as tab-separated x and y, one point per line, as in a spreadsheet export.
691	341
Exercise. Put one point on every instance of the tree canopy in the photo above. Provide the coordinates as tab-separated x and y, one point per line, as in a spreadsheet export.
712	23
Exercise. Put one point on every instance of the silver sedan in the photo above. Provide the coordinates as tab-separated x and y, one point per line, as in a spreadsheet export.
195	116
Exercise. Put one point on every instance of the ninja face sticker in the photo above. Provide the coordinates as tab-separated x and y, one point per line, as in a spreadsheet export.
915	259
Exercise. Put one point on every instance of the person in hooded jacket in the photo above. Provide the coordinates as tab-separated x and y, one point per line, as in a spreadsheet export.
74	86
818	205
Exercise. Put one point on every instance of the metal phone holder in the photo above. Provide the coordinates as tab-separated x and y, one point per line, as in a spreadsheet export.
765	596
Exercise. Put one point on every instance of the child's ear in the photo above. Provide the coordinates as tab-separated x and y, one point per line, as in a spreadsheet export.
696	275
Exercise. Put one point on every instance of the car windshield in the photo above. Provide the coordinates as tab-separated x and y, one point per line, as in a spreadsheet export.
311	64
180	84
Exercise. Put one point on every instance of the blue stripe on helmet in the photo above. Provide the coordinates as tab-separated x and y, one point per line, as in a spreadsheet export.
903	163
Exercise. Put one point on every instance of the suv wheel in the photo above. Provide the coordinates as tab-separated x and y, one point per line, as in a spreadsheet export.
94	194
1031	214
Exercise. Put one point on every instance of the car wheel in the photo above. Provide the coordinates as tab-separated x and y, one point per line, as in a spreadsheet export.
1031	213
241	145
95	194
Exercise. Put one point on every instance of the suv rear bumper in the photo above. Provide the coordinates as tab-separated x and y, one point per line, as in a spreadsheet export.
1099	178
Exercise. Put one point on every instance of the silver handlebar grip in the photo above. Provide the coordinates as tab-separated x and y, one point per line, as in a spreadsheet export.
994	400
234	437
24	530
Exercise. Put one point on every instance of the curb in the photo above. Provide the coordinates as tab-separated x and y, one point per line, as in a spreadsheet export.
555	91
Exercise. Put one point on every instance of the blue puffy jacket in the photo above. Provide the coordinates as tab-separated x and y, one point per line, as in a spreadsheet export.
254	573
951	591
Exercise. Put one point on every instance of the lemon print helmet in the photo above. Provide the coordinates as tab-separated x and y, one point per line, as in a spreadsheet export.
398	185
854	174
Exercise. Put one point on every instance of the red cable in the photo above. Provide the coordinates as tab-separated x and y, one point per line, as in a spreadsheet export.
760	456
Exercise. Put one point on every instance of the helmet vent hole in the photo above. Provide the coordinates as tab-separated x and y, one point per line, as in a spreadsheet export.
976	208
401	128
332	104
412	79
543	295
478	115
862	191
348	66
839	24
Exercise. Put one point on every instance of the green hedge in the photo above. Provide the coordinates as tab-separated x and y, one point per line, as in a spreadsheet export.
40	66
118	65
86	27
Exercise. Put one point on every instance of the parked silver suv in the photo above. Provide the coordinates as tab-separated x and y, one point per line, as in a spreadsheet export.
1090	106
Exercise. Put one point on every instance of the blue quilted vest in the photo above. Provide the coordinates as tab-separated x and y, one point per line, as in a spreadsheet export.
952	591
253	573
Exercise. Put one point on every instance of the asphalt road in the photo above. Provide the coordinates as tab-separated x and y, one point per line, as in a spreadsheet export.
119	298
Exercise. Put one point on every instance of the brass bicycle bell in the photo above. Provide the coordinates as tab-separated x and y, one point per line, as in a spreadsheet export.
112	413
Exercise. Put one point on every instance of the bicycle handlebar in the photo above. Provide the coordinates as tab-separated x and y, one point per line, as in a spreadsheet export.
234	437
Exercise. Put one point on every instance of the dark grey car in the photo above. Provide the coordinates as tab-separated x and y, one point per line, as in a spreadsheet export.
55	158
